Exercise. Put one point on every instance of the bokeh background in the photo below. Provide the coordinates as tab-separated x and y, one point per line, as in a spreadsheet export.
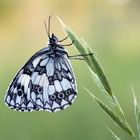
110	27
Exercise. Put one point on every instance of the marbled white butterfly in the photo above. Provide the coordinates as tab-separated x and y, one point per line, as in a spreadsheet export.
46	82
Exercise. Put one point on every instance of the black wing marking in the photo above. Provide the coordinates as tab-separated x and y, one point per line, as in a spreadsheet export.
45	82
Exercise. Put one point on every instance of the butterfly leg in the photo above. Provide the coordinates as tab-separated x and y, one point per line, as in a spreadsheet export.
64	39
68	44
78	57
81	55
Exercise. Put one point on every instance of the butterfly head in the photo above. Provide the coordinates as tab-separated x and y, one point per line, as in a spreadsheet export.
53	39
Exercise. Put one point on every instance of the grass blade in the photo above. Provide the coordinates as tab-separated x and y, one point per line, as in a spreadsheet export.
90	59
112	114
101	80
113	134
95	68
137	113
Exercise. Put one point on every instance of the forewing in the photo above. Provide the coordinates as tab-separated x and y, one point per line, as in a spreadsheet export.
18	95
44	83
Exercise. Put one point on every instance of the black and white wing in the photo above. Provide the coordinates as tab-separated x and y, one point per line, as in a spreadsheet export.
44	83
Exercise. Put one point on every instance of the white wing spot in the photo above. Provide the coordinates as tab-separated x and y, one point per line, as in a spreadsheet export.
47	106
55	105
8	99
71	97
23	105
36	61
57	86
51	90
30	105
65	84
18	99
37	79
23	79
12	102
15	90
64	102
42	79
20	78
50	67
33	76
33	96
45	90
57	109
66	106
26	83
44	62
39	103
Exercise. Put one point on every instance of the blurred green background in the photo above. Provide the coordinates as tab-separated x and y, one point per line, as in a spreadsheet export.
112	30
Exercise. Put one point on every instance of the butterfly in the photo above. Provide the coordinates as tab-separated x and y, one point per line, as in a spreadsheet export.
46	82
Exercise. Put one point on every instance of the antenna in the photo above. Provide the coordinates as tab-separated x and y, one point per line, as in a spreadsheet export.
47	28
49	25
